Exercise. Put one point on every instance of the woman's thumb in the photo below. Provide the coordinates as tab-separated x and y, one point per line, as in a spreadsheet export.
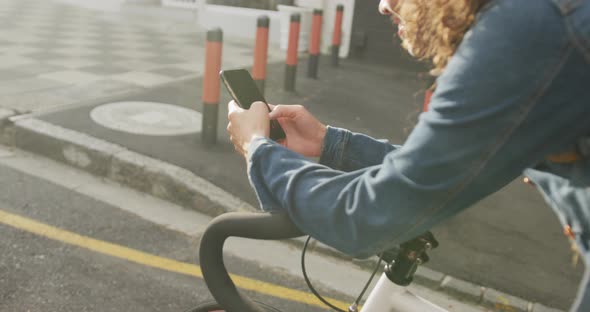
282	111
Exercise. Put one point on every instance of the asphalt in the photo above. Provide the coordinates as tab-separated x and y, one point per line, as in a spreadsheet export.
90	265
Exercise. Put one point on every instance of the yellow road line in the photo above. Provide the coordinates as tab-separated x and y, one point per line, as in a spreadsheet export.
150	260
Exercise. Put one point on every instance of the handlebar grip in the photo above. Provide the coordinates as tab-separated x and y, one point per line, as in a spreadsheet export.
268	226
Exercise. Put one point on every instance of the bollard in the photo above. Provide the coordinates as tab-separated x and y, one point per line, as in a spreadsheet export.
427	97
337	35
211	86
314	44
261	53
291	63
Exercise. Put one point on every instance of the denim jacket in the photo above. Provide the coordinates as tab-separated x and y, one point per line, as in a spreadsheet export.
516	90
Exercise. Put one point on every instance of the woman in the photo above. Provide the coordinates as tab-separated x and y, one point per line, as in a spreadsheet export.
512	96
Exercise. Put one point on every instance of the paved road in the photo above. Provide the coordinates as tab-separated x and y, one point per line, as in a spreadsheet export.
58	270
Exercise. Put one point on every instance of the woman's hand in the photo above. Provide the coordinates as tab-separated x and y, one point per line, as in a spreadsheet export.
304	133
246	124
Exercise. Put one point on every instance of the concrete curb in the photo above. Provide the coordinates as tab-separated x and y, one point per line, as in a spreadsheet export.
119	164
182	187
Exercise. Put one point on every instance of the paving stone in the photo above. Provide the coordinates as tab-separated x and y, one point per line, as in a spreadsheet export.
8	87
10	74
97	89
9	61
71	77
105	69
30	101
144	79
43	56
134	53
164	60
172	72
19	50
37	69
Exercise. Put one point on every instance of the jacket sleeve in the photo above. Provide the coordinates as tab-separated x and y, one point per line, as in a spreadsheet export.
348	151
480	132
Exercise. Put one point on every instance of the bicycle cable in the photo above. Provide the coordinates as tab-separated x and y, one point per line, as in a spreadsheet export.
313	290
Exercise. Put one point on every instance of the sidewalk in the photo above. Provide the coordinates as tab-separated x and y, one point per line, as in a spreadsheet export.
55	54
52	78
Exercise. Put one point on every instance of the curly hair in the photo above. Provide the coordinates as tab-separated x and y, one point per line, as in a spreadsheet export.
433	29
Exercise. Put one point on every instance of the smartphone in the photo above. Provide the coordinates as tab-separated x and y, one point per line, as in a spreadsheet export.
244	91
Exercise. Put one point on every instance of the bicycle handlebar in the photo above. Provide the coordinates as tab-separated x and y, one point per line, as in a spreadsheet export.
268	226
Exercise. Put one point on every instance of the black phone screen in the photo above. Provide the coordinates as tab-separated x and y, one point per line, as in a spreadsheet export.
241	86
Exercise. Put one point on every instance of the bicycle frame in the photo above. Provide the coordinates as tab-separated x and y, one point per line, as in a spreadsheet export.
386	296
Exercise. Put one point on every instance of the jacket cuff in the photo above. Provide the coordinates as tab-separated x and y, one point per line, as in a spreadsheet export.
333	147
255	170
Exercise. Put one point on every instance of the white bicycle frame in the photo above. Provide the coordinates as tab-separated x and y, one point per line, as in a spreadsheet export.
386	296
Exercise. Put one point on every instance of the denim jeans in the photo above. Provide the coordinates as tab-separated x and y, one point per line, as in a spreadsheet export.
516	90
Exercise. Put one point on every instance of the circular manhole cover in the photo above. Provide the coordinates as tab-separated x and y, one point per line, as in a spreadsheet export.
148	118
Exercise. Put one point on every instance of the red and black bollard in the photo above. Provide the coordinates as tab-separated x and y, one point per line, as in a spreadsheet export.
211	85
314	44
291	63
261	53
427	97
430	87
337	35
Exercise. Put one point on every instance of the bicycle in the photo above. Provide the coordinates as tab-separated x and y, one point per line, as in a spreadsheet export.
389	294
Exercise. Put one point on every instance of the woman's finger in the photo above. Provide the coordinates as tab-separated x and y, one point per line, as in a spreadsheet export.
232	107
284	111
